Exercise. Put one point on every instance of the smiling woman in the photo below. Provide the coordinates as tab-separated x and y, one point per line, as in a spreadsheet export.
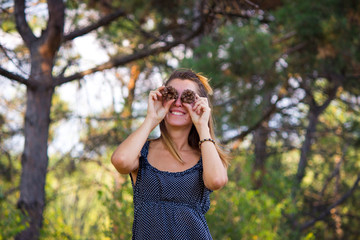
174	175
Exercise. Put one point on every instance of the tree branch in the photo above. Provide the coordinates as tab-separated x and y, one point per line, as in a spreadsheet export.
53	34
242	135
21	23
287	36
271	110
252	4
11	191
338	202
313	116
295	48
5	51
119	61
337	82
241	15
145	33
122	60
334	172
102	22
15	77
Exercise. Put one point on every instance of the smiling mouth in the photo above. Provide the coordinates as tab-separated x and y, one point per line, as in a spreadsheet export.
177	113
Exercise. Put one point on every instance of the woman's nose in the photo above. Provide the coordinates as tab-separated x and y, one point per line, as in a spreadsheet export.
178	102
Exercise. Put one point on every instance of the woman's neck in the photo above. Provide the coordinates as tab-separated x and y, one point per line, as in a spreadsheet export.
179	136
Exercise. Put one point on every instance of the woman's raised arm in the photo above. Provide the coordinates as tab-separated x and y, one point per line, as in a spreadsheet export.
126	156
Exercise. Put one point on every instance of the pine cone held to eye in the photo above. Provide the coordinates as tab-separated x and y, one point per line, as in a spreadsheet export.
188	96
169	93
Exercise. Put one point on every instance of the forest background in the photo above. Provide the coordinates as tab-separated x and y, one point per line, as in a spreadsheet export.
74	79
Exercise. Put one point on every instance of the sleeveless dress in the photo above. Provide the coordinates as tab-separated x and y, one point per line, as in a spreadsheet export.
169	205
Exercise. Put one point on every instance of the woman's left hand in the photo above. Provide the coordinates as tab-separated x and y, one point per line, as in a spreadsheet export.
199	111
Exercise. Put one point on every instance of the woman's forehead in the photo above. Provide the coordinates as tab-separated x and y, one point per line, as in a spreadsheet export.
182	84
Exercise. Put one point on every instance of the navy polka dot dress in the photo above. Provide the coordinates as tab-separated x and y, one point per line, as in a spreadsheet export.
169	205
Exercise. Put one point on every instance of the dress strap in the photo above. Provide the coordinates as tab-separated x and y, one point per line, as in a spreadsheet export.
143	155
145	149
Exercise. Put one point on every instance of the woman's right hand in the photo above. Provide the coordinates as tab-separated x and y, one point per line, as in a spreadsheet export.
157	108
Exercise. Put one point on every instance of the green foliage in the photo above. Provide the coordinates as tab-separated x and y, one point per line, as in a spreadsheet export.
119	203
59	109
240	52
241	63
7	23
239	212
8	26
328	32
11	218
74	207
333	151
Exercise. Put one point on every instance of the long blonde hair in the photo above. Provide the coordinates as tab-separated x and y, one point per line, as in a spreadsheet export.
193	139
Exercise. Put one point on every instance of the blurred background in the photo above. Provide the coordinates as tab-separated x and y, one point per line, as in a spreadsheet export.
74	80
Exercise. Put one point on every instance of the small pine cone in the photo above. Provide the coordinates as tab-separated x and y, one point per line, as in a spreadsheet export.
188	96
169	93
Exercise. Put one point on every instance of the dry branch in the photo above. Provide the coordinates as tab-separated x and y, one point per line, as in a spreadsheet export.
14	77
327	211
122	60
102	22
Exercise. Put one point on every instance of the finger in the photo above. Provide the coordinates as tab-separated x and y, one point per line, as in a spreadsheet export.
160	88
189	109
197	97
200	100
158	93
198	104
201	108
153	95
168	104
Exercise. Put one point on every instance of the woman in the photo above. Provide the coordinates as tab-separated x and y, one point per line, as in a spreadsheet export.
173	175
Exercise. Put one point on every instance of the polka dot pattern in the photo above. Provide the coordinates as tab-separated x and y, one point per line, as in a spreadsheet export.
169	205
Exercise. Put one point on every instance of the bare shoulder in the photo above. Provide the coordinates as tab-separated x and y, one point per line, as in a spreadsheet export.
156	147
155	143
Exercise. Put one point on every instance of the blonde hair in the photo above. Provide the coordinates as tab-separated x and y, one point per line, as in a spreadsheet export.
193	139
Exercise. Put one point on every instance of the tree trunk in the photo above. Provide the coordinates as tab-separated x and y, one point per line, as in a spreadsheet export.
261	135
37	117
305	149
127	111
35	160
260	140
314	112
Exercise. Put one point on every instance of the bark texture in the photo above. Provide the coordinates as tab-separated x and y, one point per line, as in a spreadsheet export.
37	117
260	140
35	160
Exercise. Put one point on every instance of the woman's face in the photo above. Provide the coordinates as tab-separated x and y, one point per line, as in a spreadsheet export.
178	115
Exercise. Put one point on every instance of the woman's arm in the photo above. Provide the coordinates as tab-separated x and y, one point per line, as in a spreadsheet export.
126	156
214	171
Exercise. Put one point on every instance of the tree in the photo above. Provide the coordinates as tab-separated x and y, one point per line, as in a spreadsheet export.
286	83
113	22
304	61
